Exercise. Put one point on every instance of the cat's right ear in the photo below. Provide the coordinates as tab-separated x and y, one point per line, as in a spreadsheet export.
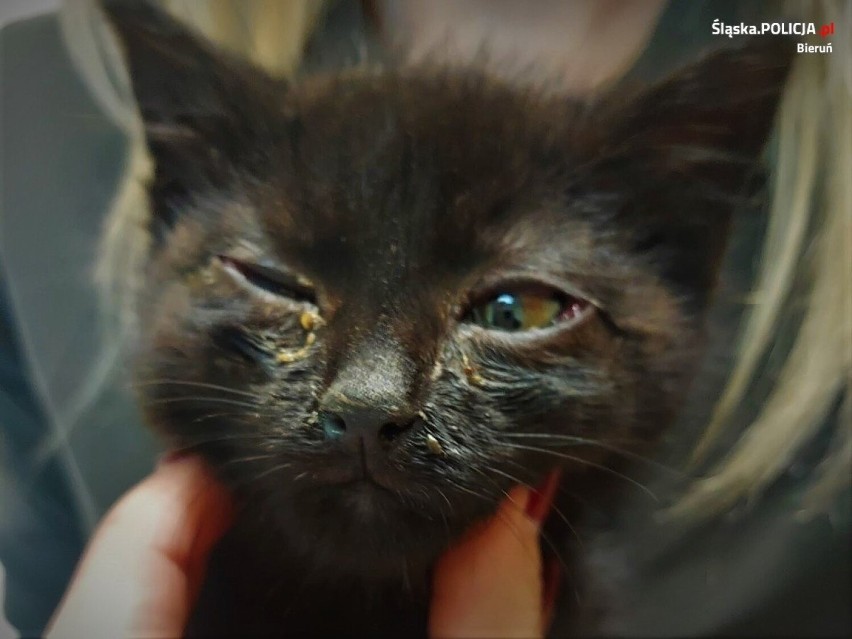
202	108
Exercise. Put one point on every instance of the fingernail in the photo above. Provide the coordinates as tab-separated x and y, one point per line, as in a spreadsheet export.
541	497
171	456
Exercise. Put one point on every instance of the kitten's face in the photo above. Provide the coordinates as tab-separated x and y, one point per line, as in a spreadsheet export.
377	302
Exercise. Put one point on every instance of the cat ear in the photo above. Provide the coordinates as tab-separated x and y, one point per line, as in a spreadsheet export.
687	152
202	109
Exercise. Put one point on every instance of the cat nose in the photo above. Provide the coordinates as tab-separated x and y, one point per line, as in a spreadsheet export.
367	425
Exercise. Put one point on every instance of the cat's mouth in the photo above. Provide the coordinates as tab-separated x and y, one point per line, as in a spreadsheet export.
366	501
378	518
357	476
364	496
363	466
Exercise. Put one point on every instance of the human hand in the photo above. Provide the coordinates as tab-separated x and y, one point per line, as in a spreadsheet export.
493	582
143	569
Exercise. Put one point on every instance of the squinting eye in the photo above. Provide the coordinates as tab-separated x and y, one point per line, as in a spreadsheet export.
526	310
270	280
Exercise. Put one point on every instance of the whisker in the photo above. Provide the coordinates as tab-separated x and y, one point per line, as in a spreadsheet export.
214	415
509	523
245	460
197	441
269	471
202	399
444	515
446	499
553	506
588	463
546	538
582	441
181	382
487	498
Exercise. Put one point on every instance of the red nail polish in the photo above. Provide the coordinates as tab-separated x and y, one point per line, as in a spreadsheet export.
171	456
541	497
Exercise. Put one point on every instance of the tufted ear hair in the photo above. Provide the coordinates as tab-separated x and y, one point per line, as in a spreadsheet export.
686	154
204	110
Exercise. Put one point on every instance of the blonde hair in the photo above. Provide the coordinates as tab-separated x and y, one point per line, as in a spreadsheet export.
806	257
807	244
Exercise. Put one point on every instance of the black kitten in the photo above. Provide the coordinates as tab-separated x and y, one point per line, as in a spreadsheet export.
375	302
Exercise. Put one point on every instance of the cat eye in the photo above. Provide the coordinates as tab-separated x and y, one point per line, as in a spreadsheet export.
271	280
527	308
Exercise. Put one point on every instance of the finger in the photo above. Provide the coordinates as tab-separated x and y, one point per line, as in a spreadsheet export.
490	584
140	574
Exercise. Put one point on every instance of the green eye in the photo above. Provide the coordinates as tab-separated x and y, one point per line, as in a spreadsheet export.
526	310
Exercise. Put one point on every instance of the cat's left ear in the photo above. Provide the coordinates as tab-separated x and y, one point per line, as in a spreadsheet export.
203	109
686	154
